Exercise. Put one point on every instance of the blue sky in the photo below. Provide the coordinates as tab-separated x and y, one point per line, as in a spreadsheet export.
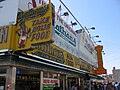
105	16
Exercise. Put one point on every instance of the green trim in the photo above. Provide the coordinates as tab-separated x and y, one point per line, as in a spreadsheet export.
93	76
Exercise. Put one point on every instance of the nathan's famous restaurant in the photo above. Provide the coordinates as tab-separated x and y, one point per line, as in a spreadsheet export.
41	49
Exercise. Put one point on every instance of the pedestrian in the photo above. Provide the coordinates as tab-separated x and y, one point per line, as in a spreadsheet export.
105	86
116	86
74	87
95	86
56	87
78	87
110	86
92	86
119	86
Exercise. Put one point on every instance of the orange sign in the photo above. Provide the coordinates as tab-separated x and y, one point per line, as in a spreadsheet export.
100	69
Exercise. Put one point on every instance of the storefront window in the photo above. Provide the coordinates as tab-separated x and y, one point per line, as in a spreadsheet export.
50	75
45	75
55	76
27	79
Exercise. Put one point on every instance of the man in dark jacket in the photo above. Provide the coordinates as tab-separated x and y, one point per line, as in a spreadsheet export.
56	87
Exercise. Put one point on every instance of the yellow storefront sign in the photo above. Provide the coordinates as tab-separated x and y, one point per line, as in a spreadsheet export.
54	53
77	62
34	26
5	37
49	51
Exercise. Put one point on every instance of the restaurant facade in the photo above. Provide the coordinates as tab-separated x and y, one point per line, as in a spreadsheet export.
41	50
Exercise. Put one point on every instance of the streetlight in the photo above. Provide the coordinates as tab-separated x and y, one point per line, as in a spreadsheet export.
96	41
65	14
93	28
87	29
83	30
79	31
95	36
103	52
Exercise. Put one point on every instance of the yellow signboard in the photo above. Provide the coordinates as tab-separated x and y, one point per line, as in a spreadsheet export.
54	53
69	59
77	62
5	37
49	51
34	26
85	66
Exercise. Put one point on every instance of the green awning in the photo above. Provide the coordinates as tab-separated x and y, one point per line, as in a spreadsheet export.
93	76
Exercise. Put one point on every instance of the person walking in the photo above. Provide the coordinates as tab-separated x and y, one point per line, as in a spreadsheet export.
74	87
105	86
110	86
56	87
95	86
116	86
119	86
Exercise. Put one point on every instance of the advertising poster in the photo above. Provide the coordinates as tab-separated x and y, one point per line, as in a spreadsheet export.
65	36
50	52
56	54
48	83
35	26
86	48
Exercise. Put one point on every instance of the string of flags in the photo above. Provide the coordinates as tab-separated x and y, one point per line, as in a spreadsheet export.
42	2
59	10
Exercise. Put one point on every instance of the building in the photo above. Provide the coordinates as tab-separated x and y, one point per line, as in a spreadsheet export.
116	75
110	78
41	50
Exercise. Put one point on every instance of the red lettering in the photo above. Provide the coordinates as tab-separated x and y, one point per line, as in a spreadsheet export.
54	81
50	81
65	24
45	81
